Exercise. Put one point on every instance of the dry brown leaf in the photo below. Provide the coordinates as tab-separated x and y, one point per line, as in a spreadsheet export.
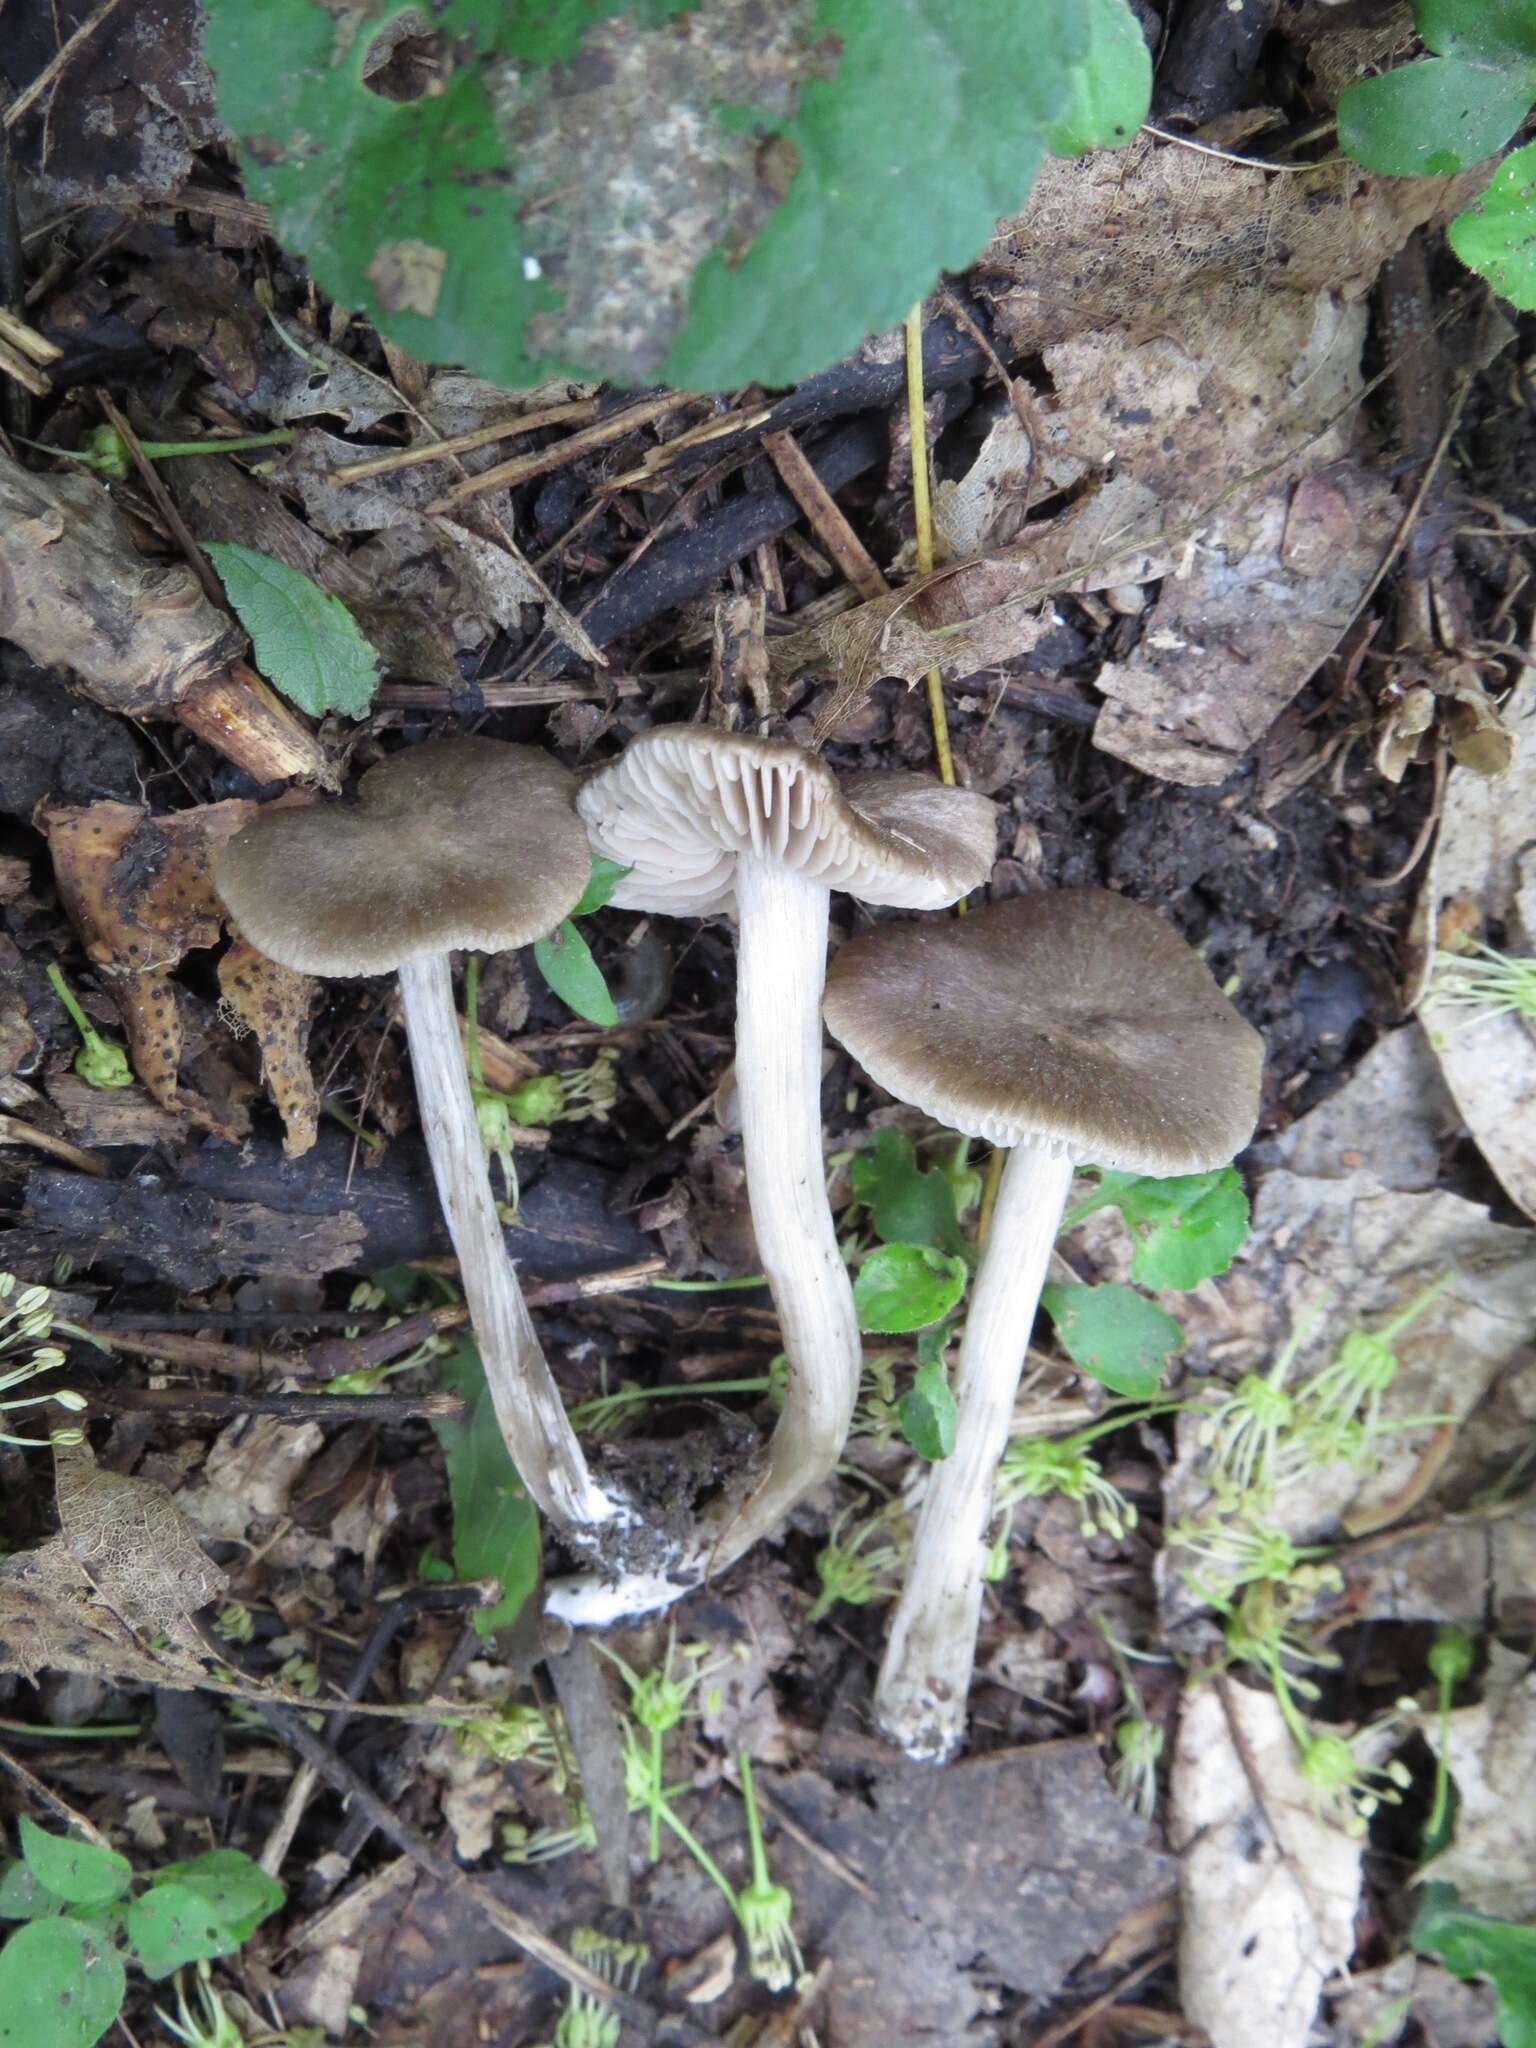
1267	1888
1153	239
52	1619
1480	885
274	1003
134	1544
1490	1750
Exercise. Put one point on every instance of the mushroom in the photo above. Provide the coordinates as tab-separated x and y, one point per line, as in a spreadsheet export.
1072	1026
710	821
455	844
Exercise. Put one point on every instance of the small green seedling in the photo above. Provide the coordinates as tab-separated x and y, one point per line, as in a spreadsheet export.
106	452
26	1318
909	1204
587	2021
904	1287
85	1913
1478	981
858	1564
565	959
1450	1661
766	1910
1455	108
98	1061
306	643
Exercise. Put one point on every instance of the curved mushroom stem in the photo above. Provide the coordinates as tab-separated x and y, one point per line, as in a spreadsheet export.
534	1424
926	1675
781	968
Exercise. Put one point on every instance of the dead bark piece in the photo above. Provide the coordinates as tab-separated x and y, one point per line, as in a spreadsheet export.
274	1003
137	636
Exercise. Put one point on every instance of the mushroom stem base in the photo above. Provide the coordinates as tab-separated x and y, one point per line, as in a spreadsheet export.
926	1675
534	1424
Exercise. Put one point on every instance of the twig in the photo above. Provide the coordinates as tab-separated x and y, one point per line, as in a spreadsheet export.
459	444
163	502
522	467
175	1349
50	1801
439	697
56	63
829	1860
14	1130
220	1407
531	1939
1426	830
27	339
1415	506
825	515
1076	2021
14	365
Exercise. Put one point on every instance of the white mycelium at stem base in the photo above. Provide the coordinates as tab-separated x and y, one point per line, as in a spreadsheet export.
780	968
926	1675
527	1402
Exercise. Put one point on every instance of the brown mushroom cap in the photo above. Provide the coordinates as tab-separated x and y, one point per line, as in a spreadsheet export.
1072	1019
681	802
454	844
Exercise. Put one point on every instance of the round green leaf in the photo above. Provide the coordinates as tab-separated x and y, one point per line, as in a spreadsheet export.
1430	119
61	1986
1187	1229
79	1873
1112	89
927	1414
906	1287
742	201
1497	236
200	1910
1501	30
1113	1334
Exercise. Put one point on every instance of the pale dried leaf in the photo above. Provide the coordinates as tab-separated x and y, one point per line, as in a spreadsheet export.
249	1474
52	1618
134	1544
1481	863
1268	1890
1490	1750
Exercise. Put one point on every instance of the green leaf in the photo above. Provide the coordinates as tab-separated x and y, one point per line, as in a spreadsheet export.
565	961
927	1414
907	1286
1471	1946
79	1873
1503	31
1113	1334
606	877
906	1204
61	1986
704	215
23	1897
1497	236
1112	90
306	644
1432	118
495	1524
1187	1229
201	1909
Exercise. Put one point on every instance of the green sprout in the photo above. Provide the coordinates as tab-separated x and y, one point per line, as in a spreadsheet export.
1035	1467
587	2021
234	1623
1481	982
28	1320
1138	1741
106	452
659	1701
516	1733
1450	1661
99	1063
210	2026
1247	1428
1338	1412
858	1568
766	1910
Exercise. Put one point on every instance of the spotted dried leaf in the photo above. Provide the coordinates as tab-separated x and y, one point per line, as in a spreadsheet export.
274	1004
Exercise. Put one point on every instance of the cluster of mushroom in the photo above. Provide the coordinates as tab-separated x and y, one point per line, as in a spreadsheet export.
1069	1026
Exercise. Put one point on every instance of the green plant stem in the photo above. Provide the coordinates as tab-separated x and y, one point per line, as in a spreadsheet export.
590	1412
472	1019
114	1730
760	1877
744	1280
657	1795
348	1122
701	1856
77	1016
1434	1826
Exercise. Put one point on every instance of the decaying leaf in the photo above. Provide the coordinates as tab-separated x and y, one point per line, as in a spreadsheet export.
1490	1750
1482	884
114	1592
1267	1887
274	1003
139	891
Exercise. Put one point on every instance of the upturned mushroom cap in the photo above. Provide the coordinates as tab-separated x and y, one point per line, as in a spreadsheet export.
1073	1019
681	802
454	844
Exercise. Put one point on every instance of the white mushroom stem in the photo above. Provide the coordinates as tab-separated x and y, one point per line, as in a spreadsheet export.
534	1424
781	967
926	1675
